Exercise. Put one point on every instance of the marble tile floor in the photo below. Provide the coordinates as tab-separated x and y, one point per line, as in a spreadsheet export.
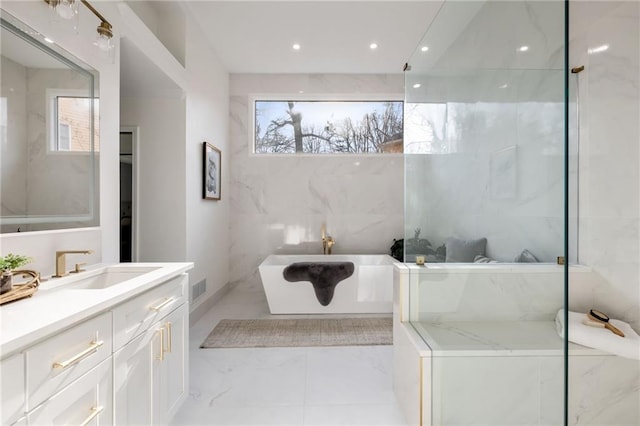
321	386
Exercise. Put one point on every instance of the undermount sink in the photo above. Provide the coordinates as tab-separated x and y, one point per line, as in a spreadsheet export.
105	278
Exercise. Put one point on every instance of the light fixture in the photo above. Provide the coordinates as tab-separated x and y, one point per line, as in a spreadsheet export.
296	46
68	9
424	48
523	48
104	36
417	85
373	46
598	49
504	86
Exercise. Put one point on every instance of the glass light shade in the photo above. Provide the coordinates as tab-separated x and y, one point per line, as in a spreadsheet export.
66	9
103	42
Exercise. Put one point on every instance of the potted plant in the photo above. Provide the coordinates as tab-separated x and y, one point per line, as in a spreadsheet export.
8	264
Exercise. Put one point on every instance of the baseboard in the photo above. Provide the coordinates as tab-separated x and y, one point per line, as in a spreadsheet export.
205	305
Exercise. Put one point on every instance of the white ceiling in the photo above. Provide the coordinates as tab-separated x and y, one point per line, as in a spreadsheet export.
257	36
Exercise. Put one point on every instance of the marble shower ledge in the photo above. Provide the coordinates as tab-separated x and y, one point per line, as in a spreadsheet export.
497	338
492	268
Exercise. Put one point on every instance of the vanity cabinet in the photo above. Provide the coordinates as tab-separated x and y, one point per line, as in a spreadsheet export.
87	401
12	389
62	359
155	360
126	365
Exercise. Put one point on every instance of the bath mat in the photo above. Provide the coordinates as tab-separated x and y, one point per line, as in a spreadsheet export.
268	333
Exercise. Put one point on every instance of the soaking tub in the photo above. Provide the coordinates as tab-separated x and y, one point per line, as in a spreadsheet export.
368	290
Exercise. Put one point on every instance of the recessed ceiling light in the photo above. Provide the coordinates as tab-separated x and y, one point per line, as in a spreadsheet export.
523	48
424	48
373	46
504	86
300	91
415	86
598	49
296	46
48	40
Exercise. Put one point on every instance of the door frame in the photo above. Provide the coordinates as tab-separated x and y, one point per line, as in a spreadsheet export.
135	138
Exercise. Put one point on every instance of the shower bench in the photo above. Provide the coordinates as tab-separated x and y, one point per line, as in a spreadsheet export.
464	359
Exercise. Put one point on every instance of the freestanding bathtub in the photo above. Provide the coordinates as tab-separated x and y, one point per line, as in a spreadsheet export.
368	290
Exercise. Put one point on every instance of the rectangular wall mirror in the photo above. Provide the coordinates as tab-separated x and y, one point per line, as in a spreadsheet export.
49	134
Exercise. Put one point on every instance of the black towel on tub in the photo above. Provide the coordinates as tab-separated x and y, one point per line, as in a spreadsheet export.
323	275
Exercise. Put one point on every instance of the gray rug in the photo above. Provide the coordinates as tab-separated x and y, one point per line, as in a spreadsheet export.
300	332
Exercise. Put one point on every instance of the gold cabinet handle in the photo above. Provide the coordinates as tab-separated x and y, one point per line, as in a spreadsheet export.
164	303
160	357
93	348
169	338
95	412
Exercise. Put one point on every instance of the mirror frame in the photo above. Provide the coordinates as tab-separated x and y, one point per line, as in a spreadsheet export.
36	39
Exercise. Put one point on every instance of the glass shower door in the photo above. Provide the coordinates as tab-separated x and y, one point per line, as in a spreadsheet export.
485	207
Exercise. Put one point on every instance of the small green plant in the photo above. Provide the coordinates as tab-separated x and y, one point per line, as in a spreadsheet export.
13	261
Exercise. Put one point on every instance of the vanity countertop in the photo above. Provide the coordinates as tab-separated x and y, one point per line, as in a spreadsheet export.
57	304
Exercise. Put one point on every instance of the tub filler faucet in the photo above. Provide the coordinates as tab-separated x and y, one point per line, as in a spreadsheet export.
327	241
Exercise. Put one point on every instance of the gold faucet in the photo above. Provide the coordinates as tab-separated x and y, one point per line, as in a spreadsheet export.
61	264
327	241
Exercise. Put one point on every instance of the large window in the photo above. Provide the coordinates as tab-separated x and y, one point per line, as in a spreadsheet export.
326	127
70	125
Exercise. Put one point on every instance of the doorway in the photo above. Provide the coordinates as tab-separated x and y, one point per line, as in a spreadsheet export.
128	247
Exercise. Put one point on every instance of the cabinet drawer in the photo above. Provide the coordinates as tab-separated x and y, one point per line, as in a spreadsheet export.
59	360
12	392
88	401
135	316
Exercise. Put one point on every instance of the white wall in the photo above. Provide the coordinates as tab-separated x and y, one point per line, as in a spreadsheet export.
175	223
609	194
161	175
279	203
103	240
207	109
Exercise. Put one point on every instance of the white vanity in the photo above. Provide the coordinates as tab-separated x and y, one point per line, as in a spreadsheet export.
105	346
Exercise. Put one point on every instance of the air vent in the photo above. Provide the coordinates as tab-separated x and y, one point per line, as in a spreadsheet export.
198	290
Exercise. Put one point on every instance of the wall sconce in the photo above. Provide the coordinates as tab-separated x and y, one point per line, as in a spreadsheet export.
68	9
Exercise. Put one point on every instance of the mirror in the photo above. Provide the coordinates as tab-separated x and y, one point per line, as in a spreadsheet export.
48	134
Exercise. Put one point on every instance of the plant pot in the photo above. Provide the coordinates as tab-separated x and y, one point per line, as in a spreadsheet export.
6	282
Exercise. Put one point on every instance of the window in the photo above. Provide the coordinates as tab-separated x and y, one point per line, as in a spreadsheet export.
70	128
327	127
430	128
64	137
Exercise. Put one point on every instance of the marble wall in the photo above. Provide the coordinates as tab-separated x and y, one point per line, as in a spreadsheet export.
14	155
608	93
37	181
54	186
494	166
280	202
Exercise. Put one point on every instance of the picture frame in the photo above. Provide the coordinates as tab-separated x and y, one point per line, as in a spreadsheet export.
212	172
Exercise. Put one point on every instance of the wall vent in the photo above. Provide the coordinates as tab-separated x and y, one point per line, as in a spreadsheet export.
198	290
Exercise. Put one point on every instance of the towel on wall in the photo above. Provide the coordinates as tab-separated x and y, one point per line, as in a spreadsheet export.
600	338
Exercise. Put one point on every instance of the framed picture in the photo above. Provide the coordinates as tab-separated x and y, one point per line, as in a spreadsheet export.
211	179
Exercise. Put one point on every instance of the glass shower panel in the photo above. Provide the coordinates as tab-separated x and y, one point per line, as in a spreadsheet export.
484	206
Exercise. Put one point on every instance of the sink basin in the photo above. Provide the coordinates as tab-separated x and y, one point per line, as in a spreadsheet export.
106	278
